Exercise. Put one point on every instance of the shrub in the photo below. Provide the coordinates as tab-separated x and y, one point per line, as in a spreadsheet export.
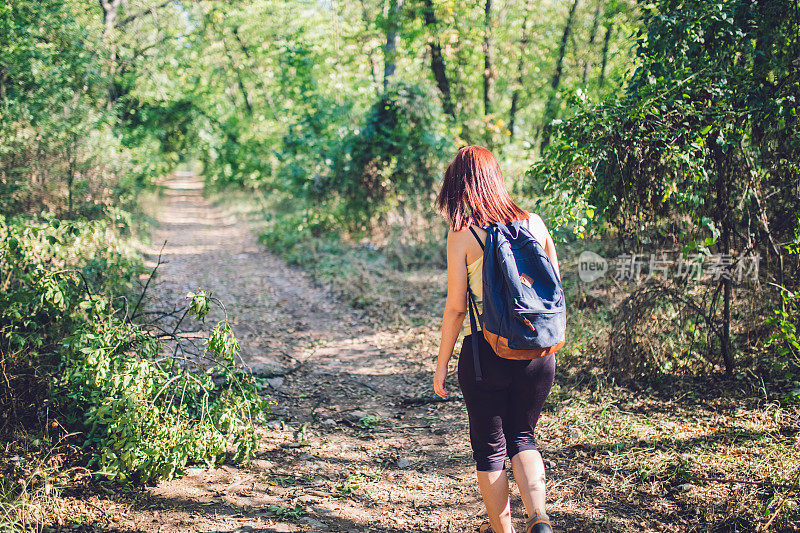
391	162
142	412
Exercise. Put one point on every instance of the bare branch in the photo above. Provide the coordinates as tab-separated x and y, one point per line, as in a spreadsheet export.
135	16
141	296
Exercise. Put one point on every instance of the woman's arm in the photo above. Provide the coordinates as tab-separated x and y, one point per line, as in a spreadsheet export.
455	308
549	245
550	250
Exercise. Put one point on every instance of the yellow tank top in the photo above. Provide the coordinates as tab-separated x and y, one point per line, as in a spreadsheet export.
475	280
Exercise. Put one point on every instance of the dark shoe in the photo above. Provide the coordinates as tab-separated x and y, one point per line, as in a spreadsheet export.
539	523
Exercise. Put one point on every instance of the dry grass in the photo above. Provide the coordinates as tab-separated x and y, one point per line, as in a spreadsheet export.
706	463
35	467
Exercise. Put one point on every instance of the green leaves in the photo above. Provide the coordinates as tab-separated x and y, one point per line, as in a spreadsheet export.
369	422
199	304
13	244
146	421
784	341
699	153
288	512
389	161
142	418
686	120
223	343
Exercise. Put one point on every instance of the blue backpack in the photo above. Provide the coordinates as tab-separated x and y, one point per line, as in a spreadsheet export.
524	312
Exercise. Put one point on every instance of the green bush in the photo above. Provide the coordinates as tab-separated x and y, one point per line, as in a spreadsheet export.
354	174
785	342
392	161
142	412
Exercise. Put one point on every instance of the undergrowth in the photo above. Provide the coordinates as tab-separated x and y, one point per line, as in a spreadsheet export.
84	368
398	279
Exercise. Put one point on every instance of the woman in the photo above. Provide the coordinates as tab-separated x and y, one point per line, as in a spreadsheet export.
503	408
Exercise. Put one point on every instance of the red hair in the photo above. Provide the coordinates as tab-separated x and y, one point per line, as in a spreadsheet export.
473	191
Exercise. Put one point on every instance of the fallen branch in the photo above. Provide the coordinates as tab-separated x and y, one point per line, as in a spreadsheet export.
775	514
147	284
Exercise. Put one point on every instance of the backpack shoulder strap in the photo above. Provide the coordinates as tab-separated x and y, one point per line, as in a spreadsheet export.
472	230
473	324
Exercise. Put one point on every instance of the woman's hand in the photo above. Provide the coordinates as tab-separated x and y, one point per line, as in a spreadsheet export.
438	381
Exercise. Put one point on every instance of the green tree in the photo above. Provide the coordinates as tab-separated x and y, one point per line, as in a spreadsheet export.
707	128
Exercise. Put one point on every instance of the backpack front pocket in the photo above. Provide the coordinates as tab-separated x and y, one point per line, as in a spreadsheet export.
538	329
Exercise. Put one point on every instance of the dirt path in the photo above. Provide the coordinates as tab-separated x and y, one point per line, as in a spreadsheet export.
343	451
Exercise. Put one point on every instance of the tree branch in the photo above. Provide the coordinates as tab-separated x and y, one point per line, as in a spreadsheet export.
131	18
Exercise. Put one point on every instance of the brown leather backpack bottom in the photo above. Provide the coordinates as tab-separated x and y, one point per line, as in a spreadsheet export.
500	346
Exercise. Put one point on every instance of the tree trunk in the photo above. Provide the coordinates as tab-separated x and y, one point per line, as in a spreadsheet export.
110	15
725	245
762	55
722	168
523	45
390	52
259	80
727	350
131	18
70	172
592	37
606	41
235	68
242	47
110	18
365	38
487	57
437	61
240	81
551	107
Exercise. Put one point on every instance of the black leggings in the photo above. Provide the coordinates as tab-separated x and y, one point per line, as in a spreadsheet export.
504	408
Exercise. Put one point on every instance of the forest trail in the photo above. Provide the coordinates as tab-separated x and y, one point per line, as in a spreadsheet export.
344	450
354	442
